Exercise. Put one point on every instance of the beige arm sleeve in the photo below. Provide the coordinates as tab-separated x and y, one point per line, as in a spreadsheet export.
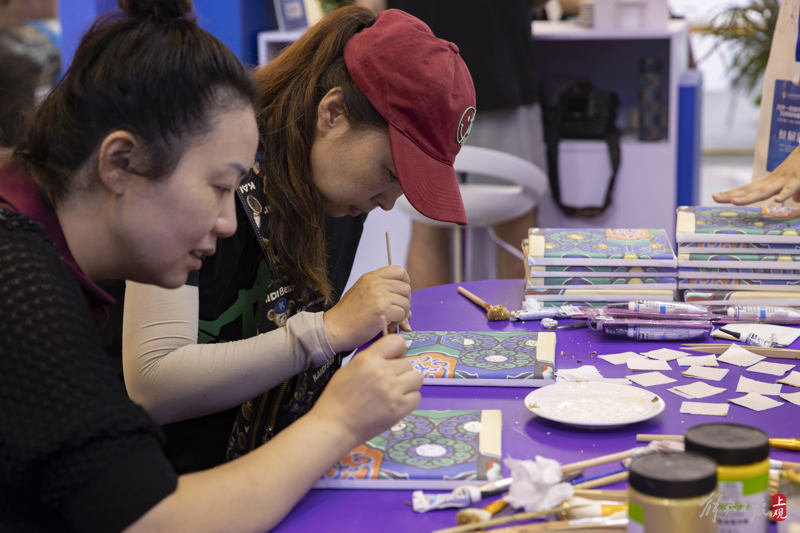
174	378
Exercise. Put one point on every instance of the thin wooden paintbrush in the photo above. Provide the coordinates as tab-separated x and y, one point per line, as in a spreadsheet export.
718	348
493	312
783	443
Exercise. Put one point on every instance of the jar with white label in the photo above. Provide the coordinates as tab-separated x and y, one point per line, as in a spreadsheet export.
742	456
670	492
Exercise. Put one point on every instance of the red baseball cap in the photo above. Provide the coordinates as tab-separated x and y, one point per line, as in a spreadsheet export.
422	87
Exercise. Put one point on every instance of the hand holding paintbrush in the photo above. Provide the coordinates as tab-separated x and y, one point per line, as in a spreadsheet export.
493	312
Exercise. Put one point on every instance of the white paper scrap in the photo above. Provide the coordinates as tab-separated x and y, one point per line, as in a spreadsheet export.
758	387
698	389
619	358
582	373
793	397
767	367
705	372
739	356
704	408
647	364
756	402
699	360
664	354
792	379
648	379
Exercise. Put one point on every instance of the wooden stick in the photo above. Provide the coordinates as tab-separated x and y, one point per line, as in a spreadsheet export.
474	298
603	459
388	248
584	525
385	327
716	348
780	443
516	517
600	494
602	481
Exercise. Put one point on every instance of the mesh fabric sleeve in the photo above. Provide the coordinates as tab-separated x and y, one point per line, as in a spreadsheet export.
175	378
72	441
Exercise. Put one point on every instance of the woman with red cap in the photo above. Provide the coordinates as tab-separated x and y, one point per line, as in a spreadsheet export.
361	109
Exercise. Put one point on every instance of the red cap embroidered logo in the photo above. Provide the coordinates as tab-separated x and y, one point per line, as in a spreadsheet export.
465	125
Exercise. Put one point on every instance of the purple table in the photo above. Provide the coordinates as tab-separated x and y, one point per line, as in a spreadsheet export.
524	435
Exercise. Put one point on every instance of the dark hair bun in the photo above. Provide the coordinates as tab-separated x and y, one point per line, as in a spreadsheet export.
156	10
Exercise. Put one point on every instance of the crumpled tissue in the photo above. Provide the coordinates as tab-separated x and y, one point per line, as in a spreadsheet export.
536	484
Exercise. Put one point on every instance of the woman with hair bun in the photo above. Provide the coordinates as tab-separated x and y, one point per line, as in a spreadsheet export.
130	170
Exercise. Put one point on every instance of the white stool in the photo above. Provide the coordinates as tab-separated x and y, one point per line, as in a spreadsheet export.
517	190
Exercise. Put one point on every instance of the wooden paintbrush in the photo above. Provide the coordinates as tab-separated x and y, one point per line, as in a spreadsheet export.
717	348
783	443
493	312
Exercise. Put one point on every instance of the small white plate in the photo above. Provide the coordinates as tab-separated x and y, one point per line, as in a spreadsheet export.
593	404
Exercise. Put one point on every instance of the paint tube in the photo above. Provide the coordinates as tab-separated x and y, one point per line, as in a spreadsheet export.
653	333
666	308
753	339
651	330
458	498
537	313
764	314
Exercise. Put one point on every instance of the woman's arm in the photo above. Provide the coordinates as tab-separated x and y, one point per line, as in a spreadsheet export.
255	492
175	378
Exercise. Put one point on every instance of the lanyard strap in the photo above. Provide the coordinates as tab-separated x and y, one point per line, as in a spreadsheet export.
796	64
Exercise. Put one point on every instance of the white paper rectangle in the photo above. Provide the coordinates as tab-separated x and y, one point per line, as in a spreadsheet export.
767	367
757	387
756	402
698	389
793	397
739	356
699	360
619	358
664	354
704	408
705	372
648	379
792	379
647	364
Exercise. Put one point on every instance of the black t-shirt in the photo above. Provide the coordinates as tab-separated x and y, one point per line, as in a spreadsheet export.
240	297
494	38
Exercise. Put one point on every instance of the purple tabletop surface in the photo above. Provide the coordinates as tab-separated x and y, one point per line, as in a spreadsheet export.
524	435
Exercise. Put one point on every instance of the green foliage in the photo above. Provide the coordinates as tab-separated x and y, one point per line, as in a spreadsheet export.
750	30
330	5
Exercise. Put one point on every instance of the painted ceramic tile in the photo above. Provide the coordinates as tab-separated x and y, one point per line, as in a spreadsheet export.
727	297
611	295
768	224
736	248
511	359
601	283
426	450
738	273
586	271
780	263
739	257
740	284
596	246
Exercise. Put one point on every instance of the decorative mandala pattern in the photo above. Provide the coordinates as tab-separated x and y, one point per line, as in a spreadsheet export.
471	355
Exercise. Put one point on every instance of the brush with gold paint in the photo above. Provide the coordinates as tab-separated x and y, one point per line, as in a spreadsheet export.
493	312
